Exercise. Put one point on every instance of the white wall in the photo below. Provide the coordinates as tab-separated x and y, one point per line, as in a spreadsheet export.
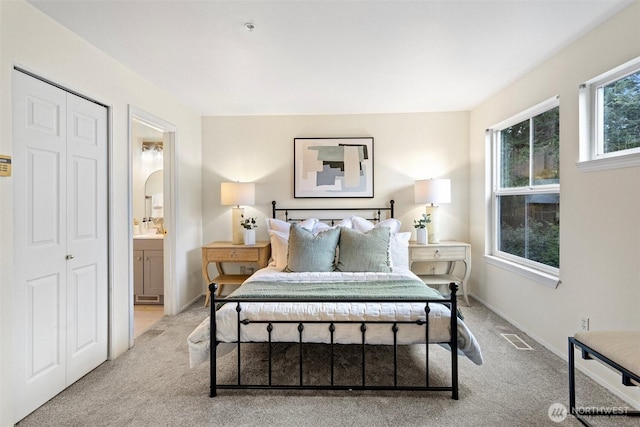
31	40
600	226
407	147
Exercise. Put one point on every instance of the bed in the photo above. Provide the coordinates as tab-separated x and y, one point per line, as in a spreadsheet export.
334	282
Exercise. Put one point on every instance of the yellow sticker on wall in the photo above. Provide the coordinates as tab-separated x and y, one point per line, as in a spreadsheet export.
5	165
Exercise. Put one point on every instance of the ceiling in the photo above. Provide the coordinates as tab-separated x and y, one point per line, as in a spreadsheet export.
330	57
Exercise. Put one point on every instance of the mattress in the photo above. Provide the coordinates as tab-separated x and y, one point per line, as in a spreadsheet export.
329	311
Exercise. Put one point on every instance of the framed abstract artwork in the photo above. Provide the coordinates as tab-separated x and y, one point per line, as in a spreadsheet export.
333	167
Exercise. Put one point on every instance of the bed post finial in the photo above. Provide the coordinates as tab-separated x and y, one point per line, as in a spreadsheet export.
273	209
391	202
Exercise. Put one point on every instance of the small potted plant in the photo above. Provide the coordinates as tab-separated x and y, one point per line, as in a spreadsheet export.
421	228
249	225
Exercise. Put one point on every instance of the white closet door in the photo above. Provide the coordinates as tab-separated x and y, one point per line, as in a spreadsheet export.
60	297
86	236
39	178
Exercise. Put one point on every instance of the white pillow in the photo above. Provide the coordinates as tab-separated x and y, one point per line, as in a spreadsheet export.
346	222
277	225
283	226
363	225
392	223
322	226
279	249
399	250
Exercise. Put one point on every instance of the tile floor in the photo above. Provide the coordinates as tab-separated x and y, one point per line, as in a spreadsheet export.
144	316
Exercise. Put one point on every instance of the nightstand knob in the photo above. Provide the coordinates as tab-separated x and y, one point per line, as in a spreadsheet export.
232	254
437	254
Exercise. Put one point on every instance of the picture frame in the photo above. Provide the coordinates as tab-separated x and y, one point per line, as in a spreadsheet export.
333	167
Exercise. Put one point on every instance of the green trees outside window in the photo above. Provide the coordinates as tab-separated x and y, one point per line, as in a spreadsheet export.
528	189
621	114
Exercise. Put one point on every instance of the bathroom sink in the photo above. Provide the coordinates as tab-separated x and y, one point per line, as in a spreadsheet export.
148	236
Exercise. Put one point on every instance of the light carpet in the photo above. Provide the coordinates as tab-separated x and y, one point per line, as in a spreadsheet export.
152	385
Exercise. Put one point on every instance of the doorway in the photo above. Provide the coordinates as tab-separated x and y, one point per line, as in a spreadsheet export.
151	145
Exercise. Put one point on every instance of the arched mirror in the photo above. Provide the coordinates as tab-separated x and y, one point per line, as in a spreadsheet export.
153	189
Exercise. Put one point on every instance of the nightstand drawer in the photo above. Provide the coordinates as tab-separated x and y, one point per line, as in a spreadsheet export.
231	255
441	253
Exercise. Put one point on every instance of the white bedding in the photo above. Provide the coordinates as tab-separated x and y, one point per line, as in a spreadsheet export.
226	318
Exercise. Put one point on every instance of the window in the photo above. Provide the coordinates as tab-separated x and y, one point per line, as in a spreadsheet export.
526	189
619	123
610	119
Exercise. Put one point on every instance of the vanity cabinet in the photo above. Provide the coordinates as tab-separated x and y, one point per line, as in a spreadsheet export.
148	271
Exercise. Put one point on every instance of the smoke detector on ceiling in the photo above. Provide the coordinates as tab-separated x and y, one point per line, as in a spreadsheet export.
250	26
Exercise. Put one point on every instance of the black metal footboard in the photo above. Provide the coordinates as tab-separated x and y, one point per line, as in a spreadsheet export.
331	325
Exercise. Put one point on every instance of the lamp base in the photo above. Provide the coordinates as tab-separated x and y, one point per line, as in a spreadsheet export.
433	227
236	229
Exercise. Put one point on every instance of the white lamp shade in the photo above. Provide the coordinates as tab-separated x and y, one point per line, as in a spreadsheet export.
434	191
237	193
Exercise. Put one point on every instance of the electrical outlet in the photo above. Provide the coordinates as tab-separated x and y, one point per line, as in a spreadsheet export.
584	323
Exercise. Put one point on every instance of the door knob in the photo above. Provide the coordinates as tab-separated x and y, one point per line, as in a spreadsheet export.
70	256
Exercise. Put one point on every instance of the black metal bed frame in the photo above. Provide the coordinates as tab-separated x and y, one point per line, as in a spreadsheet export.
377	212
394	328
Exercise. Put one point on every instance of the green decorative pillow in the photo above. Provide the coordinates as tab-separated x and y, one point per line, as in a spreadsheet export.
309	252
364	251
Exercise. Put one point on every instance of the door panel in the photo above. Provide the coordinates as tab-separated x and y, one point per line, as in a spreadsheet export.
84	128
85	303
43	327
43	178
85	199
43	116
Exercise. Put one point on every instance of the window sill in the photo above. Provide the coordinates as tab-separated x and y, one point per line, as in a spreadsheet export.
546	279
605	163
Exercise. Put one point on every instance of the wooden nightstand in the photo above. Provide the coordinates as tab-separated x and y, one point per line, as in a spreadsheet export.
445	251
222	252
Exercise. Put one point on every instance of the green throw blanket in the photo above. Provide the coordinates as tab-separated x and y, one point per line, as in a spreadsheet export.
391	290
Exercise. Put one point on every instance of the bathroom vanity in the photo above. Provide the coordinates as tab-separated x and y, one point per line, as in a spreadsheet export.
148	269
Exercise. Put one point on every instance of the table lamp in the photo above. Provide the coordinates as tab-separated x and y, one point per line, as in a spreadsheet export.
236	194
433	192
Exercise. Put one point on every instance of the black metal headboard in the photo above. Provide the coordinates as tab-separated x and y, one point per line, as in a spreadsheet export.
376	211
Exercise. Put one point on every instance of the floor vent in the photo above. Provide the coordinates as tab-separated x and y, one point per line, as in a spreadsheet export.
516	341
147	298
